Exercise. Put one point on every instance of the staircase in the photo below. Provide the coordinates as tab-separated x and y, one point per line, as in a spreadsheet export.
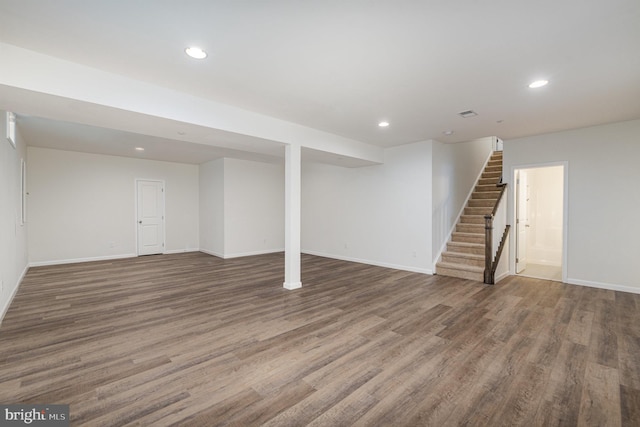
464	256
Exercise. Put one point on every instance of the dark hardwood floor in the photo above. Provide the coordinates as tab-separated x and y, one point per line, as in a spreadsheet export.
194	340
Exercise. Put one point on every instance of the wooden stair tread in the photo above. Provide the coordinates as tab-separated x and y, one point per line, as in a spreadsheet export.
466	233
467	244
463	267
463	255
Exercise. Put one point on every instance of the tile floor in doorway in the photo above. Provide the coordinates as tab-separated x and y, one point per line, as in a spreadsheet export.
539	271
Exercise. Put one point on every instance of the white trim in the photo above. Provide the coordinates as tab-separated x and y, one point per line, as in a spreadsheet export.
376	263
600	285
23	192
215	254
464	205
261	252
11	128
501	276
565	213
292	286
565	222
77	260
4	310
239	254
180	251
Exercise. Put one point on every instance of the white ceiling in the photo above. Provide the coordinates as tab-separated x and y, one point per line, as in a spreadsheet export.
342	66
69	136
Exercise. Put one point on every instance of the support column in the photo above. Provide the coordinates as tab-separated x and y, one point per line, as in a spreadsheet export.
292	179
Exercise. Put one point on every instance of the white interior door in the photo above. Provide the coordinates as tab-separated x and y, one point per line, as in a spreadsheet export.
150	221
522	221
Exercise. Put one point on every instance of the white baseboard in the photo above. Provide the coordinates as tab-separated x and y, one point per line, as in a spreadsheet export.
608	286
501	276
292	285
212	253
180	251
262	252
6	306
241	254
76	260
369	262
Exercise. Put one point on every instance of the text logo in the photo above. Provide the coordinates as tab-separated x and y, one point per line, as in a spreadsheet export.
34	415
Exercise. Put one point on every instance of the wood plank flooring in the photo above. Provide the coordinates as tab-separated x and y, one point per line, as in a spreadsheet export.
194	340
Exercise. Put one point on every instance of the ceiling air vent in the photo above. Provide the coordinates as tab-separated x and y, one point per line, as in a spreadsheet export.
467	114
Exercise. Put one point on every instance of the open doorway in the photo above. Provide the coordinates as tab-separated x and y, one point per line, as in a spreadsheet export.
540	222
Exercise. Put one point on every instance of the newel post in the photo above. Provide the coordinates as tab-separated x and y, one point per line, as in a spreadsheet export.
488	248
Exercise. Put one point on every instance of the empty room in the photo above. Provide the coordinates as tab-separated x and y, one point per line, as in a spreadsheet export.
319	213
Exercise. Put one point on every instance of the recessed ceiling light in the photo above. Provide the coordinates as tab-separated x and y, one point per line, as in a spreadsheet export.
196	52
448	132
383	124
538	83
139	149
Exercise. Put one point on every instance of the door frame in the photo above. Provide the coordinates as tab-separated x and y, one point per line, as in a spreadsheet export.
164	212
518	179
565	213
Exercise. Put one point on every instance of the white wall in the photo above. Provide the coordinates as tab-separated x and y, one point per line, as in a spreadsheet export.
379	214
211	185
82	206
603	245
544	239
13	234
456	167
241	208
253	208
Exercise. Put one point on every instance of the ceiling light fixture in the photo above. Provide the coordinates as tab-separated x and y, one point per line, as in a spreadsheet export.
139	149
195	52
448	132
383	124
538	83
